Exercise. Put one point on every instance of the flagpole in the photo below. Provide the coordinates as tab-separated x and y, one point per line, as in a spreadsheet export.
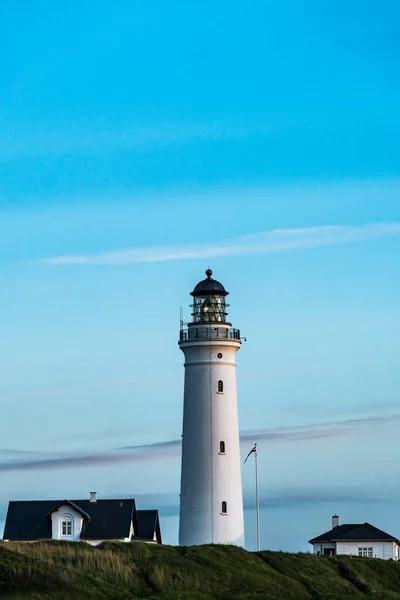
257	502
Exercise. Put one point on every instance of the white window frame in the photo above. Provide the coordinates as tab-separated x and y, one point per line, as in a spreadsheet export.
366	551
67	524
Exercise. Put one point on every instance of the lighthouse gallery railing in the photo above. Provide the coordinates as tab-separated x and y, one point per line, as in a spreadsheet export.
209	333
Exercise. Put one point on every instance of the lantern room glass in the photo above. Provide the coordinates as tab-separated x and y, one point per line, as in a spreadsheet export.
209	309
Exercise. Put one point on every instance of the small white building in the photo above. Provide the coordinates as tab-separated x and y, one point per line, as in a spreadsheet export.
356	540
92	521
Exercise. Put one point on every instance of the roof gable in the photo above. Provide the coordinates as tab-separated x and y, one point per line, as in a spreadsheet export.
73	505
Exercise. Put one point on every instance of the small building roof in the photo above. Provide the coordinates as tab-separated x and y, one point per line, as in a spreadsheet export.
103	519
353	532
148	524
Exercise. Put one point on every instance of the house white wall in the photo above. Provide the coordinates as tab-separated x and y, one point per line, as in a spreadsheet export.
65	512
319	548
384	550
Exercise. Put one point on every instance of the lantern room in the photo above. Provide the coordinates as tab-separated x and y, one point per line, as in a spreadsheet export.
209	304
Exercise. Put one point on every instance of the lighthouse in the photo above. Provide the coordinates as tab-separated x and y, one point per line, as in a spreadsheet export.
211	502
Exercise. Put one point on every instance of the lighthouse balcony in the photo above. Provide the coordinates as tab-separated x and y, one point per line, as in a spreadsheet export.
208	332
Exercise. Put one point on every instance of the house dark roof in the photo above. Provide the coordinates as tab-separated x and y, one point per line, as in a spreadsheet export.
148	524
355	532
106	519
109	519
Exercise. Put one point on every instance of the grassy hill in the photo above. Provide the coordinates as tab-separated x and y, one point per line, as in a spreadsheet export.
76	571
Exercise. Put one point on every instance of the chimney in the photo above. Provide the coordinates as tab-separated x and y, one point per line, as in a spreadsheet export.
335	521
93	497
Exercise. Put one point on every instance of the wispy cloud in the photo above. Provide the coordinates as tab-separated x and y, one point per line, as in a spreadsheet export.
279	498
72	140
49	390
171	449
138	454
285	498
288	498
277	240
102	137
318	431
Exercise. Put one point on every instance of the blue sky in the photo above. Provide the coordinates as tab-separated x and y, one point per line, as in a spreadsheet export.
143	142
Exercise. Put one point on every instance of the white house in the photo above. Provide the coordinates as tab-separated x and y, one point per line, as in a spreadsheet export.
357	540
92	521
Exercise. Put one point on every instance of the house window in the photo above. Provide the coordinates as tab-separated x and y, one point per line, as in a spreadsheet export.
66	526
366	551
224	508
220	386
222	447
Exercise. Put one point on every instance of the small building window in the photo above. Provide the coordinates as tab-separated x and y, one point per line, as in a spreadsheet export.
66	526
220	386
366	552
222	447
224	508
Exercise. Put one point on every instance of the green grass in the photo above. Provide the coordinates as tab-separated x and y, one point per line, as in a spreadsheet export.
77	571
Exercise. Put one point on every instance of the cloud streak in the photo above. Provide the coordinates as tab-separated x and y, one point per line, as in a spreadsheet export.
278	240
101	137
289	498
280	498
171	449
317	431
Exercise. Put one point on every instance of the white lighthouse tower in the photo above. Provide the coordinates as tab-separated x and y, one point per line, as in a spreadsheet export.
211	503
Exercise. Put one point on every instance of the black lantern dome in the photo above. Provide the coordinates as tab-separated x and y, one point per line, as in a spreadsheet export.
209	286
209	304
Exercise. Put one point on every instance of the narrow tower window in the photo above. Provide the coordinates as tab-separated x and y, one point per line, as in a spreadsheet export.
220	386
224	508
222	447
